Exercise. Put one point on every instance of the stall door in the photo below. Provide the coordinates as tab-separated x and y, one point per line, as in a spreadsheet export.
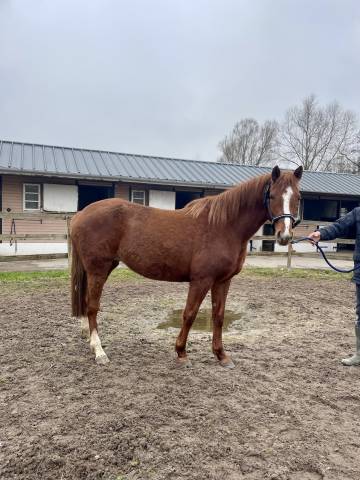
162	199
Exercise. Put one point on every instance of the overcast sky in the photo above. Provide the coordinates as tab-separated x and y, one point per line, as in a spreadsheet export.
168	77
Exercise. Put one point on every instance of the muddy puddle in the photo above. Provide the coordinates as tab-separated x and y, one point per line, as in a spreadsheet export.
203	321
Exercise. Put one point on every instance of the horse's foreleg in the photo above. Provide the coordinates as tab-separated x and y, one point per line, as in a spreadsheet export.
95	286
196	294
218	297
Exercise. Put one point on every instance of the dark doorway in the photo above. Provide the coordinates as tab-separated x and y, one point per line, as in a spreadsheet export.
91	193
268	245
183	198
322	209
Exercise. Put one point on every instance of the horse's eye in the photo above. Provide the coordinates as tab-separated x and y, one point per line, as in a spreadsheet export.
272	197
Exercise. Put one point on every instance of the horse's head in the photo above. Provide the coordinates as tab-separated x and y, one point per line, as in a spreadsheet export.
282	198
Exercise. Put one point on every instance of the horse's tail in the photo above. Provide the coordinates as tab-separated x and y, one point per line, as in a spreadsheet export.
78	285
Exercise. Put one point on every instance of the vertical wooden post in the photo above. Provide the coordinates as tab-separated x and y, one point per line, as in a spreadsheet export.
289	256
68	240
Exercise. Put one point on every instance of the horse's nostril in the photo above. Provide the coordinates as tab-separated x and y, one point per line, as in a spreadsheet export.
283	238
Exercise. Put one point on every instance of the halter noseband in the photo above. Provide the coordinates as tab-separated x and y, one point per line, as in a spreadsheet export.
294	221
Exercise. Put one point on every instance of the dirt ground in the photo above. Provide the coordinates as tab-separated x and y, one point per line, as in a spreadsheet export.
288	411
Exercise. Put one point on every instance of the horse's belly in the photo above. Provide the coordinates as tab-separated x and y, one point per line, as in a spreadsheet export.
160	272
158	255
157	269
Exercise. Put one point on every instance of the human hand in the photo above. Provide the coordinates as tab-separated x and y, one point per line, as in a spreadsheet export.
314	237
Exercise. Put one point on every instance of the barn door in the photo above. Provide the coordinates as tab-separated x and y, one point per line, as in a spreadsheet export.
162	199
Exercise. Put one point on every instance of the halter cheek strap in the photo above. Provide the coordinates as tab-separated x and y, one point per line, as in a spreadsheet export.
295	221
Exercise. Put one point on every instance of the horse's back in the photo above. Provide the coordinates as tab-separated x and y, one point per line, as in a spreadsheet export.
153	242
116	212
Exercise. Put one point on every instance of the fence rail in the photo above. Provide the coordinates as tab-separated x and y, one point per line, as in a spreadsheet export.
41	216
34	236
35	216
346	241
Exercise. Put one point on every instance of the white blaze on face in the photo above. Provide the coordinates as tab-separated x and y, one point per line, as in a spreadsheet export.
286	198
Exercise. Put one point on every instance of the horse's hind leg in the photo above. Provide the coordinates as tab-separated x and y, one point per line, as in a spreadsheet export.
84	322
196	295
218	297
84	326
95	286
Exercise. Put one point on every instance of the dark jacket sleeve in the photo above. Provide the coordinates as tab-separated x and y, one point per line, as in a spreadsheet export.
339	228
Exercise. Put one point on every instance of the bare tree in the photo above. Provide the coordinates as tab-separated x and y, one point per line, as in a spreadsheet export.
319	138
249	143
349	161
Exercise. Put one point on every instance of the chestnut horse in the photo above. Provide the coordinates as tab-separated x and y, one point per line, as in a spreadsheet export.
204	244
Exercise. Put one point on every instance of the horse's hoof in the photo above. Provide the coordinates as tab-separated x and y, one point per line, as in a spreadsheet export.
227	363
183	362
102	360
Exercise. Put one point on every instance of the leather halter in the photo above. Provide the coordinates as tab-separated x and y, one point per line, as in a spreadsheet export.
295	221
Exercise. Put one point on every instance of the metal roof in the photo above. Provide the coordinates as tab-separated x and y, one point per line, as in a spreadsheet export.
34	159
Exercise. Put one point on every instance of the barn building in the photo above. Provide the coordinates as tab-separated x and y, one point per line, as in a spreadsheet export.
42	178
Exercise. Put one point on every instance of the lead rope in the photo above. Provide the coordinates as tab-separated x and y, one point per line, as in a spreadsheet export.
319	249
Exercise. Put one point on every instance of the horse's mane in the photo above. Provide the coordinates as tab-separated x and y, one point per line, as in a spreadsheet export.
225	207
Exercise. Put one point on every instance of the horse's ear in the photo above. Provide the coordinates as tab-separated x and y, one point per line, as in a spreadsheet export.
275	174
298	172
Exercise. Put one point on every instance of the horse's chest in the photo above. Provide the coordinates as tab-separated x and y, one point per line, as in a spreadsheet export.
238	263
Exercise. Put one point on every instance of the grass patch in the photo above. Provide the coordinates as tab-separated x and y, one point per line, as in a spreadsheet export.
295	273
14	277
26	277
124	274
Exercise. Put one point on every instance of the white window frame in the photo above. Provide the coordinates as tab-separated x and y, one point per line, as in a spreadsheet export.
39	196
138	191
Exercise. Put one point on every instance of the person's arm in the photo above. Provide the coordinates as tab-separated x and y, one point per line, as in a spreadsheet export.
336	229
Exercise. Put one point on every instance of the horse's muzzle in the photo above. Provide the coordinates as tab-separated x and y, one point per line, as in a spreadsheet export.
283	239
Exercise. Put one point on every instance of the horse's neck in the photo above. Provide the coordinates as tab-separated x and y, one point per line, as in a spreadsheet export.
252	217
250	221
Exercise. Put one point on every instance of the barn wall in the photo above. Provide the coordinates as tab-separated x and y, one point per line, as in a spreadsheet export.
122	190
13	199
208	192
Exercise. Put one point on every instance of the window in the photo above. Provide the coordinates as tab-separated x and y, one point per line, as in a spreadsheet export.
31	196
138	196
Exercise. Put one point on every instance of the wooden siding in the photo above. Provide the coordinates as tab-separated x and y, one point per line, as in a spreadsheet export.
12	197
122	190
304	230
208	192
